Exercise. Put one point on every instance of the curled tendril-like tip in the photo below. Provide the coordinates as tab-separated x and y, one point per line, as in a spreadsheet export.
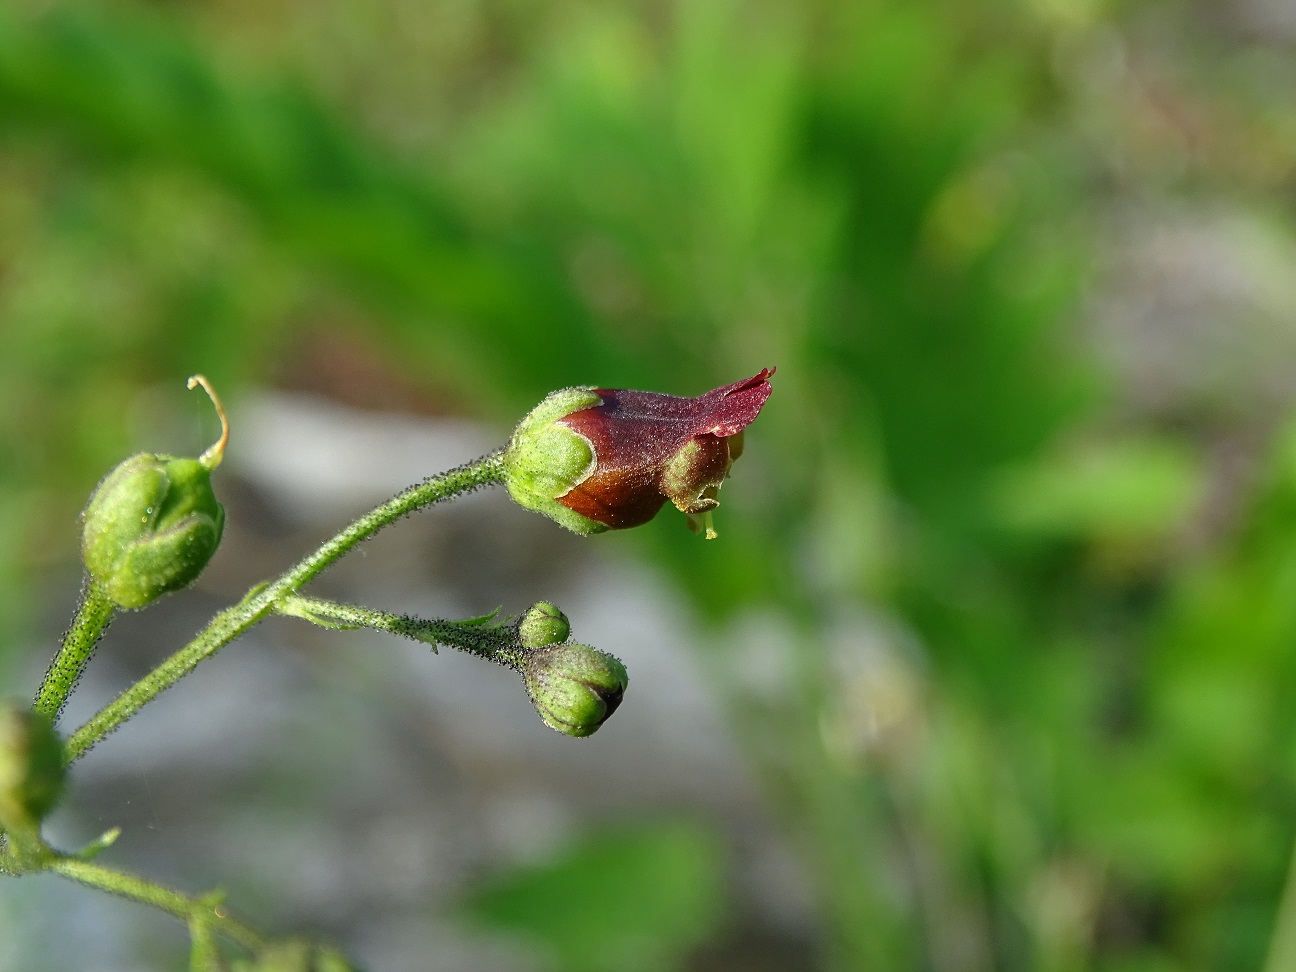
213	456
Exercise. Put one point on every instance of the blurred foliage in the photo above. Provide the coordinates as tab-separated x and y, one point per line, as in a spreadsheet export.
1033	647
635	898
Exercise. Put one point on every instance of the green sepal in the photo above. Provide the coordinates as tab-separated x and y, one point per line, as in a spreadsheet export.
483	619
544	460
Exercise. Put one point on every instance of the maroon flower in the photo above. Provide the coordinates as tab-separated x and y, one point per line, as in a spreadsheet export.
601	458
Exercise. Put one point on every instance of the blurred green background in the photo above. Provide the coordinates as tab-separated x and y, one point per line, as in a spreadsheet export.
1019	522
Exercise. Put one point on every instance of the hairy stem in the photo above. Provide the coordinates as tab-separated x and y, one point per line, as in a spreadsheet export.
476	637
173	902
91	620
260	602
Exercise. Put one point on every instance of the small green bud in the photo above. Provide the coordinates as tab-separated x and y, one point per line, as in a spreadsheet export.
575	688
542	625
153	523
31	767
545	460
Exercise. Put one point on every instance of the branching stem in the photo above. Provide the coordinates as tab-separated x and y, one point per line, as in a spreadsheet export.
264	600
187	909
478	636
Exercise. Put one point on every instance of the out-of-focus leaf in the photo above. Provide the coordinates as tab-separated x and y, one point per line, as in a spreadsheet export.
637	898
1140	490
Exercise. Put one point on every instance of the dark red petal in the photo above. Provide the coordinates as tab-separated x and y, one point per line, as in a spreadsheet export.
616	499
634	431
722	411
731	409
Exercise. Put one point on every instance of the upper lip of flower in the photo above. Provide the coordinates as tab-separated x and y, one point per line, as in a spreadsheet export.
734	407
722	411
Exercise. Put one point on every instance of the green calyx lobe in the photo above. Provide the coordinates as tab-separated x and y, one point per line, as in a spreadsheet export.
544	460
151	527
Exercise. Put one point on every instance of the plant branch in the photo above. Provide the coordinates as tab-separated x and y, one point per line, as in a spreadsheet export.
263	600
187	909
477	636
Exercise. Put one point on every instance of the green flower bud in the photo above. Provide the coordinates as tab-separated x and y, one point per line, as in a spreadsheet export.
575	688
545	460
153	523
542	625
31	767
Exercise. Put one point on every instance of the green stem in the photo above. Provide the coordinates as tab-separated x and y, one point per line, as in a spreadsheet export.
259	602
173	902
91	620
476	637
204	953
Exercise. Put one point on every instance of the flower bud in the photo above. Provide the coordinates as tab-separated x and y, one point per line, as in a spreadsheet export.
595	459
574	687
542	625
31	767
153	523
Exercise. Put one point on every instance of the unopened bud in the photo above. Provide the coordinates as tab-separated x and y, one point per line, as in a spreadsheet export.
542	625
575	688
153	523
31	767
